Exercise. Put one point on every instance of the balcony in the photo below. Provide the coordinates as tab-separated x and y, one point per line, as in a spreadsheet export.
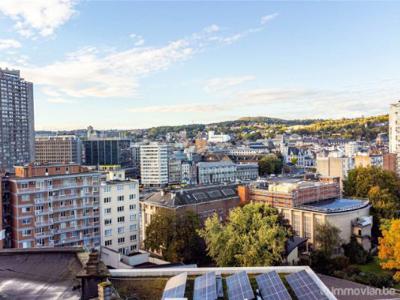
43	212
44	223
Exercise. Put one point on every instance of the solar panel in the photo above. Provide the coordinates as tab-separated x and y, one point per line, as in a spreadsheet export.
214	194
271	287
175	287
228	192
199	196
304	286
239	287
205	287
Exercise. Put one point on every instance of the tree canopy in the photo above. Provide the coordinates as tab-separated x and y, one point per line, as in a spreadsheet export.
382	189
270	164
327	238
175	237
389	246
253	235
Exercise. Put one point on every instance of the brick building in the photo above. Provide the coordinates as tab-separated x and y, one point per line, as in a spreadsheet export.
53	205
204	201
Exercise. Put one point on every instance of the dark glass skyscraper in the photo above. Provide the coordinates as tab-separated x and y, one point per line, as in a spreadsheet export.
107	151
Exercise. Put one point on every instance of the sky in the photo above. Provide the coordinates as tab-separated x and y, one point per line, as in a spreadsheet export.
138	64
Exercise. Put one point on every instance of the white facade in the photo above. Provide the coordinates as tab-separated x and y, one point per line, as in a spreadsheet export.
119	215
154	164
216	172
394	132
218	138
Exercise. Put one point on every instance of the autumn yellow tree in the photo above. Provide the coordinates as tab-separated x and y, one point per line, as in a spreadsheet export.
389	246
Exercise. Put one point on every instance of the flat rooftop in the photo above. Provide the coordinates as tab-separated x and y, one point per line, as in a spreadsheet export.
149	284
336	205
39	274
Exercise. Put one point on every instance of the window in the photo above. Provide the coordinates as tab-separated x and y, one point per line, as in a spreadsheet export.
120	198
307	227
132	196
132	207
107	222
121	240
296	224
120	187
26	221
120	208
108	243
107	189
133	247
121	230
108	232
26	232
107	200
133	237
132	217
132	227
121	219
25	209
107	210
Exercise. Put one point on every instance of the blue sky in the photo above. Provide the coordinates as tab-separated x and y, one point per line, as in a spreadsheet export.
137	64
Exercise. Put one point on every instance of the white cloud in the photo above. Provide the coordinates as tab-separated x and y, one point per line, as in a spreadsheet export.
180	108
212	28
60	101
217	84
138	39
267	18
9	44
41	17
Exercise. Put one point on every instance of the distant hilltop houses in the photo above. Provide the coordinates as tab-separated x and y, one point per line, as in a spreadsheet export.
66	194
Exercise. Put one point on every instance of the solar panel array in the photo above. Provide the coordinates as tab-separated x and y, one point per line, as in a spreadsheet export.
271	287
214	194
175	287
304	286
239	287
228	192
200	196
205	287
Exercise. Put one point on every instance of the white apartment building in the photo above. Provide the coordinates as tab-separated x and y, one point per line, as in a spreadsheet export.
216	172
394	132
154	164
218	138
119	215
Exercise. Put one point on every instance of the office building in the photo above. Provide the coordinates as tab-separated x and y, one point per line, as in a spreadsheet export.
107	151
17	133
154	164
54	205
119	213
58	149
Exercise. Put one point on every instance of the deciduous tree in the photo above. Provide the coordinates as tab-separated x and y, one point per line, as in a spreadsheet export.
253	235
389	246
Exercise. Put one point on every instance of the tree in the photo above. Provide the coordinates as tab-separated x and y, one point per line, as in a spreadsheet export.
382	189
175	237
389	246
360	180
327	238
270	164
355	252
253	235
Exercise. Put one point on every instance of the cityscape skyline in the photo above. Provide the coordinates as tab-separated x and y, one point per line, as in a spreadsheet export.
242	60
